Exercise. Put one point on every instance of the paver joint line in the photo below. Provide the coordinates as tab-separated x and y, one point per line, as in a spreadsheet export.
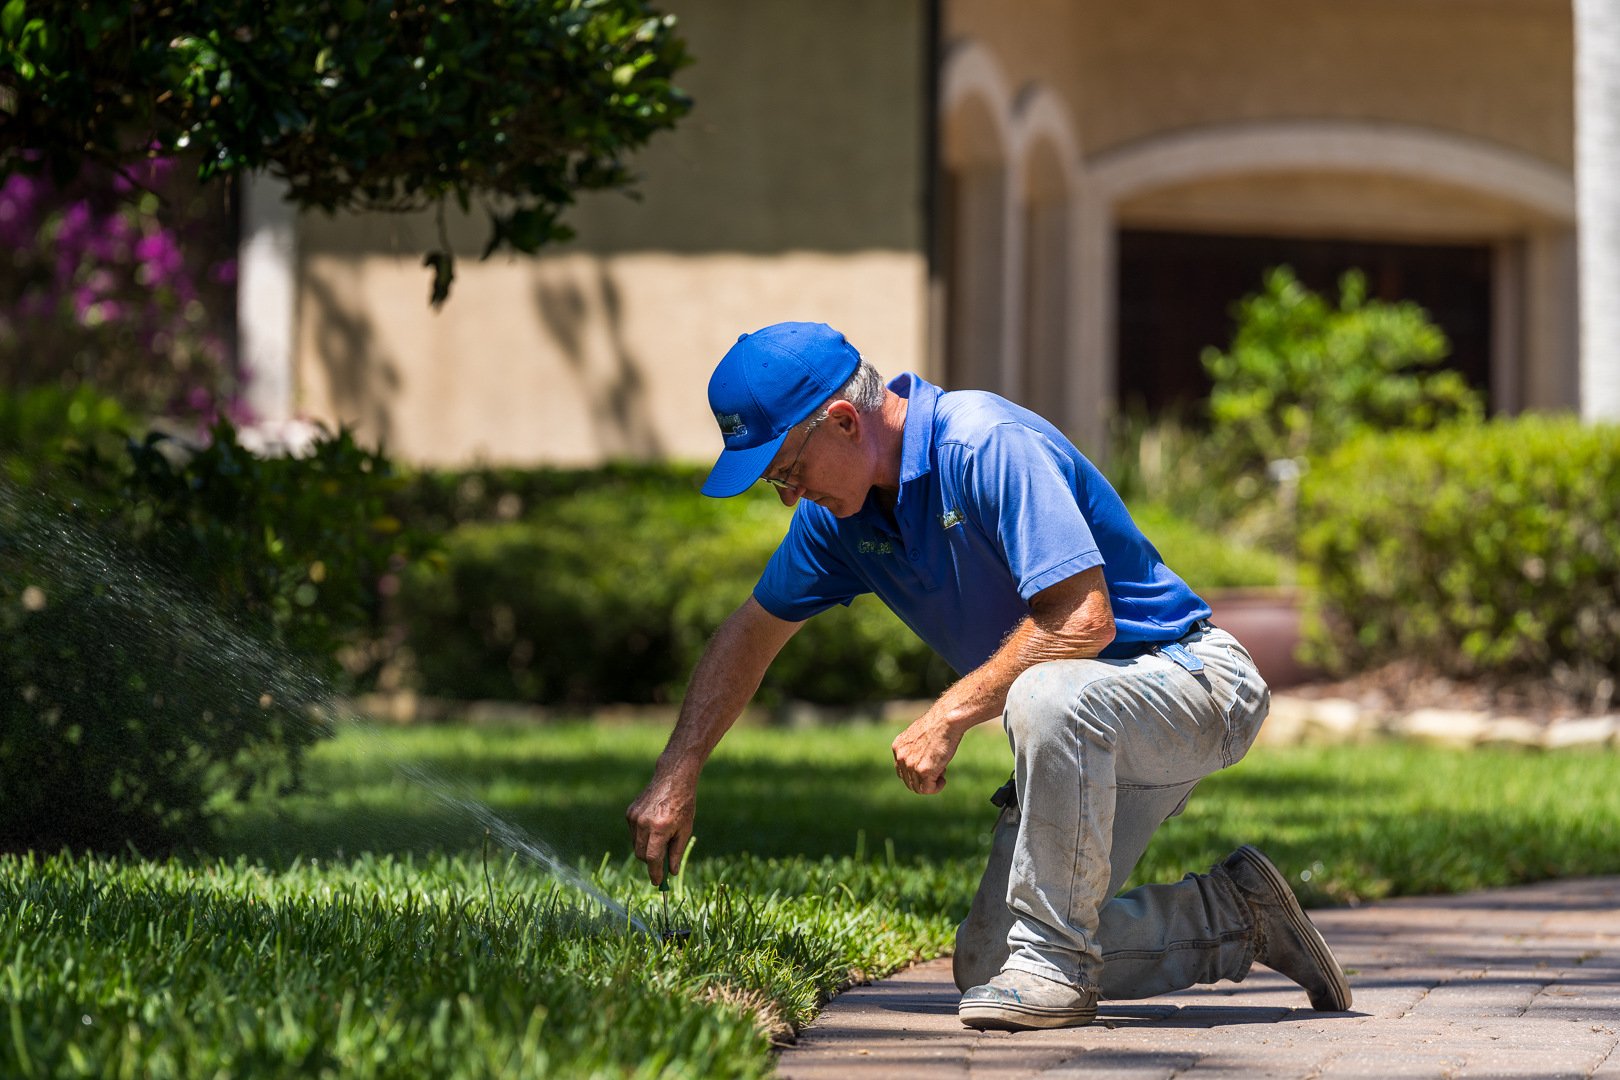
1421	998
1509	992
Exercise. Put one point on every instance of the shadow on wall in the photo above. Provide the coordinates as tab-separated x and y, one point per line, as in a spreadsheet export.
362	384
609	378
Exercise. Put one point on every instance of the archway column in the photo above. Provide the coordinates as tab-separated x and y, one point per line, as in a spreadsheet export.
267	297
1091	386
1048	170
1552	329
1597	177
1010	368
983	255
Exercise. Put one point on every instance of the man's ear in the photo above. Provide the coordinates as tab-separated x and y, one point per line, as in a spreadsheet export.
844	416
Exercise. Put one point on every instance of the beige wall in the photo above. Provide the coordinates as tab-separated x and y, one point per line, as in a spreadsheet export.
573	359
793	190
1129	69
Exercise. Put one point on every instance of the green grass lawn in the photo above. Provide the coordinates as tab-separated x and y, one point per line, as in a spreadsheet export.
357	928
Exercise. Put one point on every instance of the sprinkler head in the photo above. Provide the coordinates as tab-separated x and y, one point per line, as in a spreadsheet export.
676	937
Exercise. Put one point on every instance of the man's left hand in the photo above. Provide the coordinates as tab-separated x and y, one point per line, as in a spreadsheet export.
921	753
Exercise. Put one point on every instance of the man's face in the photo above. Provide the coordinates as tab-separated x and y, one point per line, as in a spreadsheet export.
819	464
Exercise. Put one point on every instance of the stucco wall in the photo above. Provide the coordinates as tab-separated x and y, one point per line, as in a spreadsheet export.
794	189
573	359
1492	69
1412	120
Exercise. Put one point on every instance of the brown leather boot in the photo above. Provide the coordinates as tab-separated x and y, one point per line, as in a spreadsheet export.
1286	941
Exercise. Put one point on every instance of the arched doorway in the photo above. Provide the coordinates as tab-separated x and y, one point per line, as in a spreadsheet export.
1177	290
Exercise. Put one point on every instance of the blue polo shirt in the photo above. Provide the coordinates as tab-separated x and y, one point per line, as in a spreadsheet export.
995	505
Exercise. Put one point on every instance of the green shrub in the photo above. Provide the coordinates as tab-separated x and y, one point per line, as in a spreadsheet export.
304	546
611	593
167	622
1206	558
1302	375
439	500
1485	550
610	589
41	428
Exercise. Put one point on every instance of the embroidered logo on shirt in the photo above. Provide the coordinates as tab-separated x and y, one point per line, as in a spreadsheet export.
875	547
950	519
731	424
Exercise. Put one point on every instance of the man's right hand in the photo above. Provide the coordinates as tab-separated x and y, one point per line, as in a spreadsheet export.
661	822
726	676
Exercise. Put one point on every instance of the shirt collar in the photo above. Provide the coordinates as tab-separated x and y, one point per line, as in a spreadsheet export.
917	442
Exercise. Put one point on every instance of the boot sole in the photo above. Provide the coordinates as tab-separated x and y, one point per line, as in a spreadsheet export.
1339	996
1016	1016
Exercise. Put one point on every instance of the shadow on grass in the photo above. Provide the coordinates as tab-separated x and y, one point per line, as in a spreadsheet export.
1343	825
574	802
772	793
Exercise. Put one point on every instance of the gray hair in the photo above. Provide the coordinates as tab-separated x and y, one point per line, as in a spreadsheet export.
864	390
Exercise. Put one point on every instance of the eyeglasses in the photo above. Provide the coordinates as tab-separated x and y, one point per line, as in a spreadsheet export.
786	480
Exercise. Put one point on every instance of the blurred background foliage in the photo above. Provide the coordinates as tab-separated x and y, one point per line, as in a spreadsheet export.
355	104
124	283
171	615
175	610
1304	374
1487	551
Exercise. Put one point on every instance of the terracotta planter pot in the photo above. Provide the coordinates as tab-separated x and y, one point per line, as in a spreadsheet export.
1267	622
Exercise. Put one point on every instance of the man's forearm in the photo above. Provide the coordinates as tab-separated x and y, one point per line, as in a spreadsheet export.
1075	627
714	699
724	680
1070	620
981	694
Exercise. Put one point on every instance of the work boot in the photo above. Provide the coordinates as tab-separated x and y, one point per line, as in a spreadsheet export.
1285	940
1020	1001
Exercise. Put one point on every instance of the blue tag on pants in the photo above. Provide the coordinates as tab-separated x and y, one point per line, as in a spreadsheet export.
1179	653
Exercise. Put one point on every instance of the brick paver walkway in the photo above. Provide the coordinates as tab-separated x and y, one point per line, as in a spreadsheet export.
1521	982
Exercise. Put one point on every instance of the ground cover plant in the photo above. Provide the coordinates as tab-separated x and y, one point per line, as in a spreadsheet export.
287	952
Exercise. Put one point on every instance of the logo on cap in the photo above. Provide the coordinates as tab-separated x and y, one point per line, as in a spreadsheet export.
731	424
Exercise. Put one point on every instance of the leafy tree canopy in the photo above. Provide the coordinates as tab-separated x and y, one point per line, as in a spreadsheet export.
357	104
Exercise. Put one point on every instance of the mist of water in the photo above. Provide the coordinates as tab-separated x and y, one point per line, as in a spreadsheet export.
215	651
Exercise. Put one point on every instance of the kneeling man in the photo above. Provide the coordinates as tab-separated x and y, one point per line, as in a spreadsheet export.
1008	552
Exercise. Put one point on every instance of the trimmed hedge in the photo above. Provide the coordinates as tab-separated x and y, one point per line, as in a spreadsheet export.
609	589
610	594
1207	558
1488	550
436	501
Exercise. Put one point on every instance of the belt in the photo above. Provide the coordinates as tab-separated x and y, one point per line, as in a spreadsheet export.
1170	650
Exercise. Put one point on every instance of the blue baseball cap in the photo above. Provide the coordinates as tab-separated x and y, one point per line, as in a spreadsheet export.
767	383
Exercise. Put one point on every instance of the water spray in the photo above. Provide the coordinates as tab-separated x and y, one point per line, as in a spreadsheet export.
241	656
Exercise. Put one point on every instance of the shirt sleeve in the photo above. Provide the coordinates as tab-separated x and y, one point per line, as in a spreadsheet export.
1021	491
806	574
